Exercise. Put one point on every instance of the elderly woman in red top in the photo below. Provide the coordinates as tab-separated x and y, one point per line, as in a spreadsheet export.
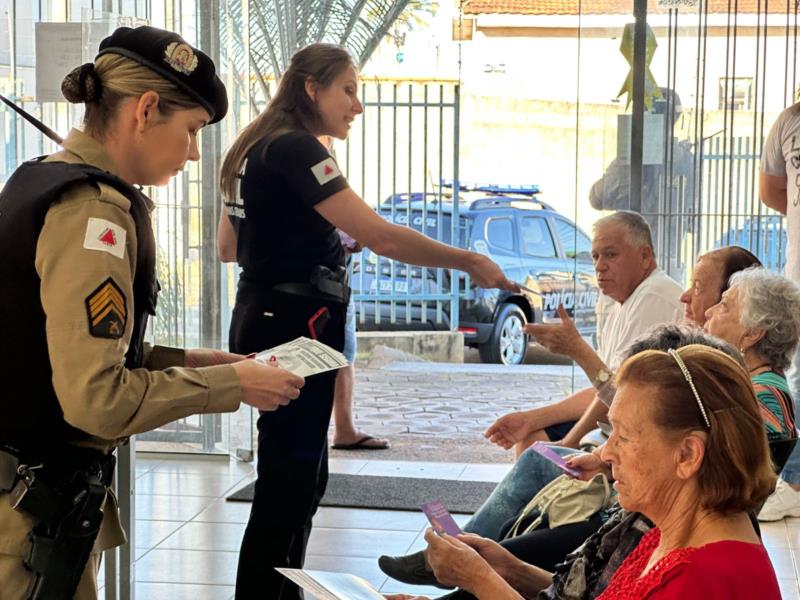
694	459
688	451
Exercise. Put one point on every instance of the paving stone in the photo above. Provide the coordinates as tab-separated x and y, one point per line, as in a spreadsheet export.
429	400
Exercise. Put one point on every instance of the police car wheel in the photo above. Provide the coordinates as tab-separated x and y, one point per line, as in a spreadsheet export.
508	343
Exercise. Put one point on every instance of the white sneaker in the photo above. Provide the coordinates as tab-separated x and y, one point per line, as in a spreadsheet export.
783	502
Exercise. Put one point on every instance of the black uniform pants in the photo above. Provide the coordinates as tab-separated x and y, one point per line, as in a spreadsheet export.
292	444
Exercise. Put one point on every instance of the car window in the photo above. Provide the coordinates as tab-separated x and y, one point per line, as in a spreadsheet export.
536	238
500	233
575	243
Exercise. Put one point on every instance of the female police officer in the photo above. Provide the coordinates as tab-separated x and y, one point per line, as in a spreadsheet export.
78	284
286	197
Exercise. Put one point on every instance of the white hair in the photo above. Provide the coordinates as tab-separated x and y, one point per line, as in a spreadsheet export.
770	302
636	228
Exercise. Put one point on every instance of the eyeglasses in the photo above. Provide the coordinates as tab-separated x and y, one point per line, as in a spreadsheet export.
674	354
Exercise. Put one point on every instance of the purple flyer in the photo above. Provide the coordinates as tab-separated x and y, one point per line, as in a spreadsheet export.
441	520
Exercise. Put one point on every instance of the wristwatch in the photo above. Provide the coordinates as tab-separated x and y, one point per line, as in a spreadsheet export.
602	377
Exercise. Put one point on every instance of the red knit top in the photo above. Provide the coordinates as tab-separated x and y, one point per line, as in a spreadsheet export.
725	570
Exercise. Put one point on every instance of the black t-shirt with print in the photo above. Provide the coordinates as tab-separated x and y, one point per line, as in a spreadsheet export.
280	236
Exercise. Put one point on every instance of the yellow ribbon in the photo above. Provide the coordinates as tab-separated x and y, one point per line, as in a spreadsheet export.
651	89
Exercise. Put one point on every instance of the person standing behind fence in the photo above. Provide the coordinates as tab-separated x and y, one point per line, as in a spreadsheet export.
667	190
779	188
285	197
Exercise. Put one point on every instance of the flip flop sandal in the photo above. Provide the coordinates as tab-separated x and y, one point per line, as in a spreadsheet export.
361	444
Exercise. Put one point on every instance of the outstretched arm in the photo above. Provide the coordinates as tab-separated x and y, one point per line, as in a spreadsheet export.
351	214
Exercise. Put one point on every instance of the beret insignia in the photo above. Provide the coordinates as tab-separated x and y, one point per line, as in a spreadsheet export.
107	311
180	57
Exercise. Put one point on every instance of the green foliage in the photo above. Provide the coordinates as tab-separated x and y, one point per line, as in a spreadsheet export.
415	15
169	312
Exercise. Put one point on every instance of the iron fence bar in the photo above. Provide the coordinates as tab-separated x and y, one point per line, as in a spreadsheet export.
794	54
637	117
393	282
425	117
455	278
755	204
439	219
410	179
786	60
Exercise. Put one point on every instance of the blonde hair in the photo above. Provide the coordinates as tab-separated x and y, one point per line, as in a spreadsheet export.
103	86
291	109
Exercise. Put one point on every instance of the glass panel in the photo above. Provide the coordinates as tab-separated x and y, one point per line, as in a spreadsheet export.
188	311
574	242
500	233
536	238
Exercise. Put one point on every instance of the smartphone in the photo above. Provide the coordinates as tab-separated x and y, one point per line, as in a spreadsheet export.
556	455
317	323
440	519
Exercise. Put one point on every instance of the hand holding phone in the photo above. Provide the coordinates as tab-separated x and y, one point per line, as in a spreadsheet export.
440	519
551	454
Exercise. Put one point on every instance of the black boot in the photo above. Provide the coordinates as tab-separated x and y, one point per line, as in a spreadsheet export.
411	568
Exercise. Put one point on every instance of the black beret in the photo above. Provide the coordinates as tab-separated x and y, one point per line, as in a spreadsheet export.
170	56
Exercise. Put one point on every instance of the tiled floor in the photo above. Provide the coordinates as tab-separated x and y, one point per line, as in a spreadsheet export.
187	536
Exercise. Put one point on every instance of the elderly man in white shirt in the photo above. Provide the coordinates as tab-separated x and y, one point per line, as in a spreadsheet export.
643	296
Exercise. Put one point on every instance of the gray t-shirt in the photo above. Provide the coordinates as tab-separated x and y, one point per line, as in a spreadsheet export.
781	158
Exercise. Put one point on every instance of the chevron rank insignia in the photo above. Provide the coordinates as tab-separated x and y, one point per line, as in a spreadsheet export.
107	311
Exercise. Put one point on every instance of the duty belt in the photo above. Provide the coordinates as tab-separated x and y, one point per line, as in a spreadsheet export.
20	470
323	282
64	493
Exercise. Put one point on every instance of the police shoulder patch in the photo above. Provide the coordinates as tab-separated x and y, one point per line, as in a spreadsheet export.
326	170
107	310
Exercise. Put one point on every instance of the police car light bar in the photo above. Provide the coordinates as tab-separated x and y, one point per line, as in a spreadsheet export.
400	198
493	188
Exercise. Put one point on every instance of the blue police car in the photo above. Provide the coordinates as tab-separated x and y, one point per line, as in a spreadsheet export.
527	238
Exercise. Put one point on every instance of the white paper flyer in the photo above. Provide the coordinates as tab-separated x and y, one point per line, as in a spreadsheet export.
304	357
326	585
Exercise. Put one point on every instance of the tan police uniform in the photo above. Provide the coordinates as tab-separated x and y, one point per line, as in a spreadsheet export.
89	238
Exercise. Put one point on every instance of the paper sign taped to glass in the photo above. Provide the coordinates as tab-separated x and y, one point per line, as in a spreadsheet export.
326	585
304	357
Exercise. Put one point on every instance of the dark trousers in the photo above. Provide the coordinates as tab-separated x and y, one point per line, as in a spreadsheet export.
292	444
543	547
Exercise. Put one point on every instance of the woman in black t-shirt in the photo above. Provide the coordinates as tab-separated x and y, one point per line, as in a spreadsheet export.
285	198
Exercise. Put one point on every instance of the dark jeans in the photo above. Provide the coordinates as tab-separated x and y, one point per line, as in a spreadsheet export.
292	445
543	547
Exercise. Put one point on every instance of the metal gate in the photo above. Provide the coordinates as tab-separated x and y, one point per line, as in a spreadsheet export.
721	209
397	156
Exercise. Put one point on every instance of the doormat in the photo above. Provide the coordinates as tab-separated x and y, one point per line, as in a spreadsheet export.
394	493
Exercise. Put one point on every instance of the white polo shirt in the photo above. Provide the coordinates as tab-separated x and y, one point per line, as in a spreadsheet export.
655	301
